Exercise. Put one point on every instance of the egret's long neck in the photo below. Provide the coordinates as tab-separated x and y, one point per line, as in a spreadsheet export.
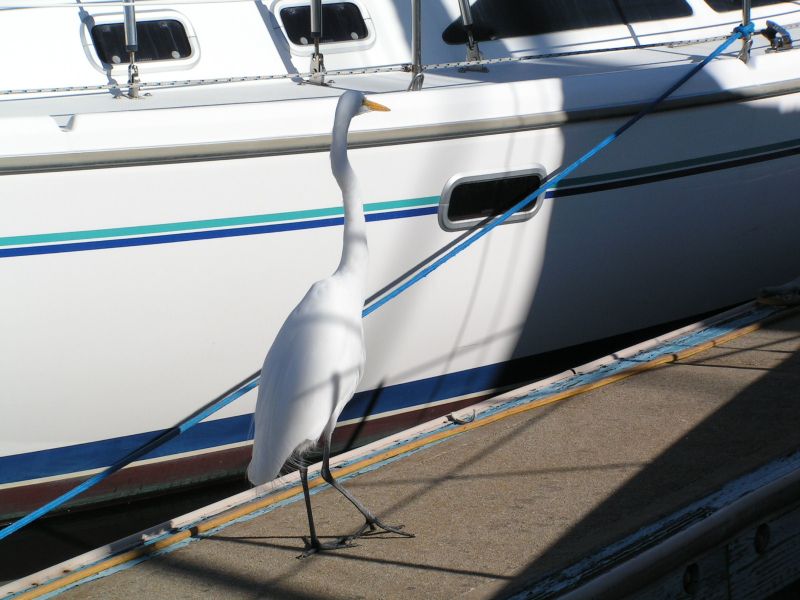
354	244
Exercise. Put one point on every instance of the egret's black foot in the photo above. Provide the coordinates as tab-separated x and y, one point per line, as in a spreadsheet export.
376	527
314	546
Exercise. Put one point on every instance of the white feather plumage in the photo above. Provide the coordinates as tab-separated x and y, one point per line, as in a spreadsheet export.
317	359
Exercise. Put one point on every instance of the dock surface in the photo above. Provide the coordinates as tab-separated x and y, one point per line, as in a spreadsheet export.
497	508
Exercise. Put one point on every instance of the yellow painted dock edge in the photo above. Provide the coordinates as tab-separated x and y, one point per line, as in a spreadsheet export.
227	517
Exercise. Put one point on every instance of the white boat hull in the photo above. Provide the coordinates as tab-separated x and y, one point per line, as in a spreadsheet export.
138	289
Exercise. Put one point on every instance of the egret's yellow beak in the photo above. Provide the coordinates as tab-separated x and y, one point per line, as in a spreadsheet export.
370	105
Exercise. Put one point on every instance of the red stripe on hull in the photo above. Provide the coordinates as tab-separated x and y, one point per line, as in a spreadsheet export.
357	434
168	475
134	481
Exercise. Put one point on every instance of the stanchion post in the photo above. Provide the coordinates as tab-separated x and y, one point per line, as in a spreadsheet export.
131	47
473	51
317	60
416	46
747	41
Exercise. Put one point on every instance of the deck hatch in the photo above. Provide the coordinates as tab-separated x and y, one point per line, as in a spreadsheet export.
163	39
341	22
498	19
468	200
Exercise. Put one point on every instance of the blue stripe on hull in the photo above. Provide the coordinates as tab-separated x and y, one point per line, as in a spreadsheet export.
571	187
191	236
93	455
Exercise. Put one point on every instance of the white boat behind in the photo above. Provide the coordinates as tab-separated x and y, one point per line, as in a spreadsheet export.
139	237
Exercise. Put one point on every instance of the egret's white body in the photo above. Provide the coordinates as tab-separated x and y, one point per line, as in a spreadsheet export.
317	359
309	375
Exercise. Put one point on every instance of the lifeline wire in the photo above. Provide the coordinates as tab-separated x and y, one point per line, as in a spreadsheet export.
389	68
252	382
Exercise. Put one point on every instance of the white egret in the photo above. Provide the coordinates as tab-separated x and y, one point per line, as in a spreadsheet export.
317	359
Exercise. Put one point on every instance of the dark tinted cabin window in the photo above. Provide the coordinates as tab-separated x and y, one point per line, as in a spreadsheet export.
158	40
497	19
341	22
726	5
481	199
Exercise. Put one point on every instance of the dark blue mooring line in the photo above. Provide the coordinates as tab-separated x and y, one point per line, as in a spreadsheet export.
742	31
157	441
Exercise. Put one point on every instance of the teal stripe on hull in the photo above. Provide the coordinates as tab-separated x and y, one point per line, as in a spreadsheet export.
297	215
336	211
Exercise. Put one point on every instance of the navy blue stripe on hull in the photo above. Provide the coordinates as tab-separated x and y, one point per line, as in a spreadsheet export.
191	236
370	403
571	190
686	172
94	455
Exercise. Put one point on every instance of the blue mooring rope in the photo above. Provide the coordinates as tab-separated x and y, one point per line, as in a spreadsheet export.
739	32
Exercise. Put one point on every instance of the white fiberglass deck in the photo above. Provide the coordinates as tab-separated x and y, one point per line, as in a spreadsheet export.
185	94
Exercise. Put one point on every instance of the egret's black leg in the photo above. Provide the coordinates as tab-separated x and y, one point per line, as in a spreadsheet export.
312	542
372	522
313	545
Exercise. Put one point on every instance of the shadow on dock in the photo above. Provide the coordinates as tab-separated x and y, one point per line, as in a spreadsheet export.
756	426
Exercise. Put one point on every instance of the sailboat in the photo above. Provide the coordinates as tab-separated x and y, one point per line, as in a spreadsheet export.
153	153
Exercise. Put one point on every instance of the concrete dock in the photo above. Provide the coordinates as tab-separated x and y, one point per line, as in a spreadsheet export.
497	508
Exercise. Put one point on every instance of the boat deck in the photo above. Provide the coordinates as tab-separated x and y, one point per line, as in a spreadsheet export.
525	491
181	94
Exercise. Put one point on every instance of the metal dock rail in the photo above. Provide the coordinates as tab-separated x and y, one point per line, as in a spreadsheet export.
681	481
